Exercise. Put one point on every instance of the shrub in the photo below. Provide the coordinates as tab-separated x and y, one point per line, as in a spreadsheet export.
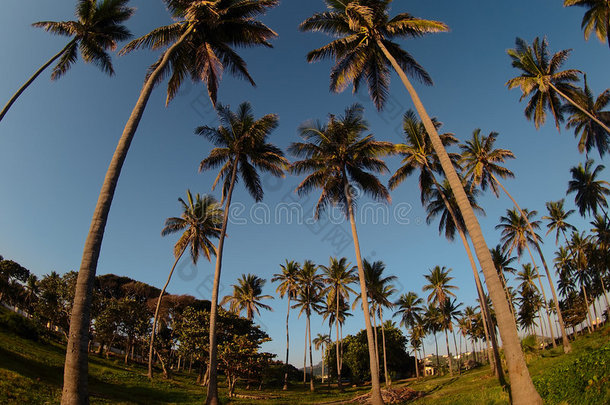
585	380
19	325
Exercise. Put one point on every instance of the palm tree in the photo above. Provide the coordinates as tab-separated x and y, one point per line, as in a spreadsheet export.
600	249
322	342
339	156
211	28
382	300
503	261
338	276
247	295
439	286
590	192
432	322
309	300
200	220
579	247
241	146
482	163
288	279
530	302
97	29
365	30
449	313
541	79
558	219
591	134
409	310
596	18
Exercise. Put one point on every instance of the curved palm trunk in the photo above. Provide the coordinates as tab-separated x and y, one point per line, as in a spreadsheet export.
522	388
544	303
287	346
154	325
588	114
375	387
75	389
567	347
498	371
31	79
311	387
337	347
388	380
212	392
449	353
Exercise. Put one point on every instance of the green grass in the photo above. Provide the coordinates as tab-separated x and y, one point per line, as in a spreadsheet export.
31	372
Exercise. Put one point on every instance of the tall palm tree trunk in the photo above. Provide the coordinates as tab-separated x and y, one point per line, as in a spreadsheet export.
522	388
601	278
337	347
154	325
567	347
436	347
31	79
75	389
374	312
416	364
544	303
388	380
498	371
458	354
311	378
212	392
569	100
448	353
584	291
305	358
287	346
375	387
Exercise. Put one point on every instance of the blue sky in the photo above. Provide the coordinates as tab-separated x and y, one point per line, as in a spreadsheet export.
57	141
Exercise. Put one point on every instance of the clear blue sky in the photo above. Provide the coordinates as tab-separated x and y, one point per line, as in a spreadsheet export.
57	141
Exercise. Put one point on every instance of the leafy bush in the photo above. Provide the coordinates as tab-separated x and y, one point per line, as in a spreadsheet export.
585	380
19	325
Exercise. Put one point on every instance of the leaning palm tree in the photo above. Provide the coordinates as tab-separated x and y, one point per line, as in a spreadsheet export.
338	276
482	163
97	29
241	147
247	296
596	18
591	134
541	79
557	219
200	221
309	300
365	32
199	42
322	342
288	286
339	156
590	192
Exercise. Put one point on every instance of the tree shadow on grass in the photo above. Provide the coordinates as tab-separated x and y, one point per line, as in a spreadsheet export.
441	386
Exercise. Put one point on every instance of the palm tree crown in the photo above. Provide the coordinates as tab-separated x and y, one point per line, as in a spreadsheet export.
206	32
439	286
409	309
358	25
558	218
288	279
337	154
338	276
247	295
590	192
541	78
596	18
515	232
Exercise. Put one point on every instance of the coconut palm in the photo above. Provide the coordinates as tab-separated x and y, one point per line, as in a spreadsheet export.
309	298
382	300
600	248
579	247
241	147
338	156
338	276
416	339
541	79
97	29
482	163
322	342
591	134
363	32
432	321
590	192
200	221
438	285
449	313
336	315
410	312
596	18
199	42
503	261
529	296
557	219
288	286
247	296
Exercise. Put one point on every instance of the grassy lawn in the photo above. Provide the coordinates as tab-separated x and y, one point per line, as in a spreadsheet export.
31	373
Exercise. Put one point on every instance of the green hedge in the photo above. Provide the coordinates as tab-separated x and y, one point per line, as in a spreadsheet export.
585	380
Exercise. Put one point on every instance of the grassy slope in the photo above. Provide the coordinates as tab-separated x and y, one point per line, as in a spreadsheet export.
31	373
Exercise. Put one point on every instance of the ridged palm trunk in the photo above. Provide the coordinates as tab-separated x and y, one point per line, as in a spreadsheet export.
375	387
75	390
287	346
31	79
212	392
522	388
496	364
388	380
311	386
567	347
155	318
337	348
